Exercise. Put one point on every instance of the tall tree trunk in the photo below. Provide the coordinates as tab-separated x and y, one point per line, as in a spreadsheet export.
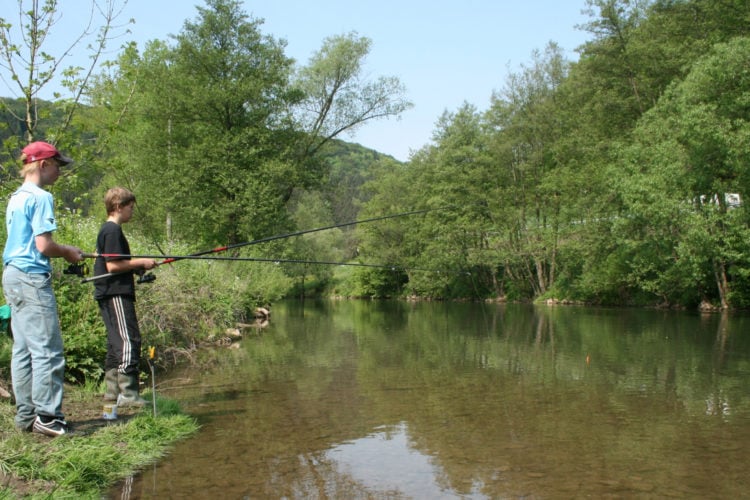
541	276
722	283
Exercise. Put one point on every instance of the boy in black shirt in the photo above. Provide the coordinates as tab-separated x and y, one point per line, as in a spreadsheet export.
116	297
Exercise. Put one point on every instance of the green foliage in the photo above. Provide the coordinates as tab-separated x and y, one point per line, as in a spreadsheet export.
235	128
375	283
6	350
680	172
14	128
336	95
349	164
212	111
84	335
192	299
604	180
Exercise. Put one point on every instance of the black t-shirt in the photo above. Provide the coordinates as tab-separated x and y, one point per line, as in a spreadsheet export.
111	240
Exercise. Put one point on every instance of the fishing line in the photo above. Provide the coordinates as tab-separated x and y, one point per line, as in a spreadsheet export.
298	233
263	259
174	258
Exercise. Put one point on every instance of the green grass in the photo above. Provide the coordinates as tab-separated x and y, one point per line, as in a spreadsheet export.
82	466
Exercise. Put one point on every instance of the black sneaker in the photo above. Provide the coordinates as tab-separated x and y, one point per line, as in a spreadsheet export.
55	427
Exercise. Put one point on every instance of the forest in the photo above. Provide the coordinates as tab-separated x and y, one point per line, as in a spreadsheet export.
616	179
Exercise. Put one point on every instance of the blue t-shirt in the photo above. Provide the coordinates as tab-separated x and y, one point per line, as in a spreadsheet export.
30	213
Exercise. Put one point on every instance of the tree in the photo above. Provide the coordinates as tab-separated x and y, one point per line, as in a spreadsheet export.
388	189
311	210
219	111
612	54
337	97
454	174
29	65
639	48
212	112
526	118
688	161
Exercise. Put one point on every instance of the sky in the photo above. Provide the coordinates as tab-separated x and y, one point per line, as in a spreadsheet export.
445	52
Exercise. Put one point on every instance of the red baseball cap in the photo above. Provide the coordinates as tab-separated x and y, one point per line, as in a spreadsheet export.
39	150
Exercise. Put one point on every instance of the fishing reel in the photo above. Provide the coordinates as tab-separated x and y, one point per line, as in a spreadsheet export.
144	277
77	269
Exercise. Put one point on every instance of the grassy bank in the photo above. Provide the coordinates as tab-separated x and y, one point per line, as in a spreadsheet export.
94	456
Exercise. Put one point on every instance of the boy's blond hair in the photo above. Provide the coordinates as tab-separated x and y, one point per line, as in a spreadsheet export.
117	197
28	168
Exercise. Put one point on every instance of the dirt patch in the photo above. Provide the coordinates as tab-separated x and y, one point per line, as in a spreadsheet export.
22	488
85	417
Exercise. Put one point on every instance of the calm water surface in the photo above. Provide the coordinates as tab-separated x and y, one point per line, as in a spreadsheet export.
432	400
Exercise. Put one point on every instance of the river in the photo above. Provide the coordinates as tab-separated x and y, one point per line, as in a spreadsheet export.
431	400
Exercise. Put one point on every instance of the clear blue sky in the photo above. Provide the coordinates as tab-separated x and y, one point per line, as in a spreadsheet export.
445	52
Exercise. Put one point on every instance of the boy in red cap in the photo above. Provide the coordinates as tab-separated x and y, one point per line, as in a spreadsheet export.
37	364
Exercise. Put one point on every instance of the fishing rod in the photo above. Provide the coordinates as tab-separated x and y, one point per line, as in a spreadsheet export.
296	233
169	259
258	259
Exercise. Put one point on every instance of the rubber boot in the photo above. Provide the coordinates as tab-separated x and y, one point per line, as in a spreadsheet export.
112	390
129	390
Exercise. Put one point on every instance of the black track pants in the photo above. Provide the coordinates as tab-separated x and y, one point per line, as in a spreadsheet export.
123	334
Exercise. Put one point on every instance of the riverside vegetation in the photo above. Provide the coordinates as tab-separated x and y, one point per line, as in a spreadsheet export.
620	178
617	179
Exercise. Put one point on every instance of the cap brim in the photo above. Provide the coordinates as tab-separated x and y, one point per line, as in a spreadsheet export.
63	160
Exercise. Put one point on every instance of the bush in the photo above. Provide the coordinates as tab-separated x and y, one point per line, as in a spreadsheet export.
192	299
83	331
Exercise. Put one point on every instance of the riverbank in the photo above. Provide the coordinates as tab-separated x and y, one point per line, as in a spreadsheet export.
96	455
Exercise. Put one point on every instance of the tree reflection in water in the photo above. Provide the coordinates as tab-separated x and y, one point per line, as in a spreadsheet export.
436	400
